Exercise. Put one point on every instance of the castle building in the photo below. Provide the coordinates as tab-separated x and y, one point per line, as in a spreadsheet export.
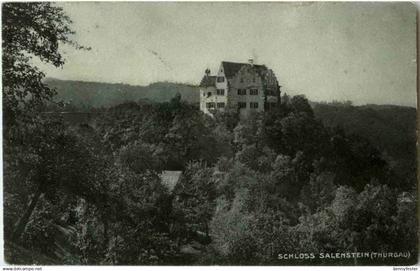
245	87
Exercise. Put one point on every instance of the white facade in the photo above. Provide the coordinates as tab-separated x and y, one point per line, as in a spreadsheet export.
245	87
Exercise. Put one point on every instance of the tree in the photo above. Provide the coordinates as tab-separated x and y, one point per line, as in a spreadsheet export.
55	160
229	118
248	131
30	29
300	103
320	190
231	229
190	138
139	232
33	30
271	231
139	157
195	196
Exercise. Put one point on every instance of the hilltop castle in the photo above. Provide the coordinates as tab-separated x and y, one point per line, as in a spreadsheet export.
243	86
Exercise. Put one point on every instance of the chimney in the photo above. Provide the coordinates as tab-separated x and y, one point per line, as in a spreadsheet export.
251	61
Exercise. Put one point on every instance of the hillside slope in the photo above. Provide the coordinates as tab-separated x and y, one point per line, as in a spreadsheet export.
94	94
392	129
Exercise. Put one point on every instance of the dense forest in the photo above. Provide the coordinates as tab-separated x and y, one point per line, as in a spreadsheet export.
390	128
83	96
280	182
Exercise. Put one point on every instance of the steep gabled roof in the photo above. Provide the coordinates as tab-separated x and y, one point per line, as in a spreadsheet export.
208	81
231	68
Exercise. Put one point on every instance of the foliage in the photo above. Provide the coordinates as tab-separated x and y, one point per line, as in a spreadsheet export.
389	128
195	196
32	147
276	182
30	29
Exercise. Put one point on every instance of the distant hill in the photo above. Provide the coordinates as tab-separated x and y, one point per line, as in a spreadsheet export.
83	94
392	129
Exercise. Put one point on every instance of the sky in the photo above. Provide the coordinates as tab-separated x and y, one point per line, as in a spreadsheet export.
362	52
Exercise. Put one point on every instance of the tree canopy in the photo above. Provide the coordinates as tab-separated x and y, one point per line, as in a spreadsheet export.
250	190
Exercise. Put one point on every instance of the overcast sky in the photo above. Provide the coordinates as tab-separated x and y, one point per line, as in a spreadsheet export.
363	52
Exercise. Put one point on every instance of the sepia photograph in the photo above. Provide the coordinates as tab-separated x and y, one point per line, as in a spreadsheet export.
209	133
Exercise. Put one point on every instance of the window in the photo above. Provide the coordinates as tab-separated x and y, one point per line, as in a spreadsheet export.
210	105
270	92
220	79
253	105
220	92
242	105
241	91
253	79
253	91
208	94
220	105
242	80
